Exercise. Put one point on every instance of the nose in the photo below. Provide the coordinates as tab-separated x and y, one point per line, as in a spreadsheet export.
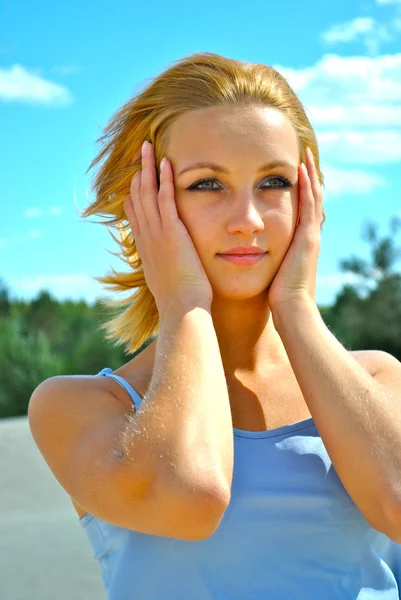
244	217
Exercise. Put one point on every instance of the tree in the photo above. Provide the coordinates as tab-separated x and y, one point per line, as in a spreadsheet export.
26	361
384	254
372	321
5	302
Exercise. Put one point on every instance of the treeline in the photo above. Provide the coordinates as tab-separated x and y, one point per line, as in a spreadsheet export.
44	337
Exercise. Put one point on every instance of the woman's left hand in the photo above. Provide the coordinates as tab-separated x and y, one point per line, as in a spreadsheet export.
295	281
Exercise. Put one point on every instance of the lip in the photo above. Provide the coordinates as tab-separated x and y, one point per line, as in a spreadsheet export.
244	250
243	259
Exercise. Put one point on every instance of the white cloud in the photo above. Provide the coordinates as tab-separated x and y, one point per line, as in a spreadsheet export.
328	286
367	30
21	238
336	280
56	210
354	104
359	115
341	181
64	70
351	79
34	213
349	31
377	37
363	147
19	84
34	234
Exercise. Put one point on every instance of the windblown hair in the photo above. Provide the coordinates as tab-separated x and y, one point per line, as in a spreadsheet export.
198	81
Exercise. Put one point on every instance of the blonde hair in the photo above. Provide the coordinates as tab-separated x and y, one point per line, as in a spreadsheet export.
198	81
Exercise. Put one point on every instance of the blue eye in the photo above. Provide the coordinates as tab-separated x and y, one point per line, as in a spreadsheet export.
195	186
283	183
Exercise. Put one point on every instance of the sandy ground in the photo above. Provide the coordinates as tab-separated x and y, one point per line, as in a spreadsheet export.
44	553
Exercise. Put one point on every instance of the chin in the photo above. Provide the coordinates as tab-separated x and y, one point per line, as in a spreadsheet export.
240	293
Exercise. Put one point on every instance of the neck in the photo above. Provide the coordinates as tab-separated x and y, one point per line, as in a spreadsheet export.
249	343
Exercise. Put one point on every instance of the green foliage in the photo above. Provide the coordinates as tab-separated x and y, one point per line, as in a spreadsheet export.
26	360
44	337
368	316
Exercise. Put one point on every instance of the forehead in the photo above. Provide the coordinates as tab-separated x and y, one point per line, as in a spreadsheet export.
221	128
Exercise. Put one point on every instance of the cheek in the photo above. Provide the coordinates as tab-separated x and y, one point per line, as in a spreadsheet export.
185	212
287	208
204	221
280	218
200	223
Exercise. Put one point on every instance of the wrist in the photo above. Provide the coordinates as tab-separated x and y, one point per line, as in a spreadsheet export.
293	309
181	305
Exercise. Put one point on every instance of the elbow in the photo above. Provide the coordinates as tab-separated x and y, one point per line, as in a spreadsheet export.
213	499
216	503
206	514
197	511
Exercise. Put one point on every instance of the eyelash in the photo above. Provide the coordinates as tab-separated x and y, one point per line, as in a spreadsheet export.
286	184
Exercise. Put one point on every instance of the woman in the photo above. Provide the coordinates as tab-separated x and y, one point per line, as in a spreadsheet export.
244	453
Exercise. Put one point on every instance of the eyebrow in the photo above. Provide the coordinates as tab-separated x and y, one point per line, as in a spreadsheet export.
220	169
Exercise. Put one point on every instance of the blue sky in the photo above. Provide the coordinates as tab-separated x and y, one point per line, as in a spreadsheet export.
67	65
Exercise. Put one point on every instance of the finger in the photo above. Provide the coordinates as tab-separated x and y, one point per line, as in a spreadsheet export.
130	213
310	164
307	200
149	191
133	206
299	210
315	183
167	205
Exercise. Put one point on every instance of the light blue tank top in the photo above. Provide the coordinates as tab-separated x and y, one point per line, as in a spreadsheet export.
290	532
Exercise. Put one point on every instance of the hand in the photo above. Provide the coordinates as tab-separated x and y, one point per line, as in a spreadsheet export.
172	267
296	278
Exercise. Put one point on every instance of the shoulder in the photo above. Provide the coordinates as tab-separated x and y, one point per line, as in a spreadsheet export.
379	364
66	387
139	370
368	359
385	369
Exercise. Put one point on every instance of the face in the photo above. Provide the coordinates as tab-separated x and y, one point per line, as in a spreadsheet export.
236	202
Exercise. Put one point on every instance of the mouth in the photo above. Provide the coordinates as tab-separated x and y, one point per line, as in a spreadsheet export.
243	259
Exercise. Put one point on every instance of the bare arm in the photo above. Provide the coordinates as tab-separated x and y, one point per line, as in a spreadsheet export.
184	426
164	469
357	418
185	417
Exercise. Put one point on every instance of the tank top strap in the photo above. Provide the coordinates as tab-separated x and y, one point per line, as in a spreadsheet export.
135	397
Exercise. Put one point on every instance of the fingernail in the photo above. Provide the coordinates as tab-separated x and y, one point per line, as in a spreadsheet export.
163	162
144	147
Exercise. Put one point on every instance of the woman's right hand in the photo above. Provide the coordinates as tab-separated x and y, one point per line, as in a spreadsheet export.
171	264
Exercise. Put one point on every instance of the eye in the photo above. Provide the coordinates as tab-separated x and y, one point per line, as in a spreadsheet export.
195	186
283	182
279	182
